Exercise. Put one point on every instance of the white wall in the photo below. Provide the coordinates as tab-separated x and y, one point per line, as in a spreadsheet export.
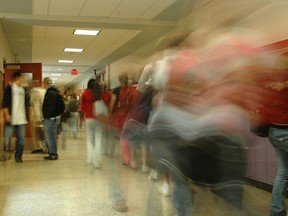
5	50
81	85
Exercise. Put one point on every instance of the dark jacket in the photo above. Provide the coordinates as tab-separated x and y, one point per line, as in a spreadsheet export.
7	99
49	103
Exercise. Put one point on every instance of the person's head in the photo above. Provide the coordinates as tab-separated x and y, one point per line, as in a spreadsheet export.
172	41
47	82
90	83
18	78
95	88
123	79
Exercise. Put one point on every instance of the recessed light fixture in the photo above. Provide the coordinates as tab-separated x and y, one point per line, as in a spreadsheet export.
86	32
55	74
65	61
73	50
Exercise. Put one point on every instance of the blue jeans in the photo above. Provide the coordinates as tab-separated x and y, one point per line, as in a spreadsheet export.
50	134
279	139
20	138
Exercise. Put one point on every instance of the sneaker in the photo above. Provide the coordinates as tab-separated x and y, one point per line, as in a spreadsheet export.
98	166
37	151
165	190
120	207
153	175
50	157
18	160
133	165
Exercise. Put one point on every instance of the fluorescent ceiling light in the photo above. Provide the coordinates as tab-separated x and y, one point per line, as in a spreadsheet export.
73	50
54	78
55	74
60	69
65	61
86	32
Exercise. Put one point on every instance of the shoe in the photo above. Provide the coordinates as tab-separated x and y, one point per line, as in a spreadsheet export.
120	207
98	166
51	157
18	160
165	190
153	176
133	165
37	151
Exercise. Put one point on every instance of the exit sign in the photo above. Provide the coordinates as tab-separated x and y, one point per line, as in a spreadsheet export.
74	72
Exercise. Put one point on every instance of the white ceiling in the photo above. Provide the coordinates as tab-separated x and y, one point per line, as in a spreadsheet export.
39	30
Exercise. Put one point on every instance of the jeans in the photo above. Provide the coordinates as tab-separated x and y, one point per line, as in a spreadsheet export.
279	140
50	134
94	134
20	138
73	123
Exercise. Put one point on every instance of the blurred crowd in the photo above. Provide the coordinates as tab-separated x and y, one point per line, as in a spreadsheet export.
188	118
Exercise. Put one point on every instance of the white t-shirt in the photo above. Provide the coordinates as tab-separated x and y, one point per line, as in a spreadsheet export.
18	116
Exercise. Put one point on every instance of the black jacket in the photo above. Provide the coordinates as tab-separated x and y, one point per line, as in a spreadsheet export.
49	103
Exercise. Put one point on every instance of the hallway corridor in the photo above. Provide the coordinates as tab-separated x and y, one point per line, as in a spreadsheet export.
69	187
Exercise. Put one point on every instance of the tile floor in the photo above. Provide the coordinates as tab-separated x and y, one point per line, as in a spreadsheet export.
69	187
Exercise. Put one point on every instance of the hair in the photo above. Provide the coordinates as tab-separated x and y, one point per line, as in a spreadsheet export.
172	41
16	74
47	80
96	89
123	78
90	83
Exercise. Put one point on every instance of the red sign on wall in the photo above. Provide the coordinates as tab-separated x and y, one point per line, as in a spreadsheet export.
74	72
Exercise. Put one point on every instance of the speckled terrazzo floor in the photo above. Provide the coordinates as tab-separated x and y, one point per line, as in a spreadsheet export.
69	187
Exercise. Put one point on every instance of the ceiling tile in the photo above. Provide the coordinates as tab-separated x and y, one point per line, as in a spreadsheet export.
40	7
157	8
66	7
133	8
99	8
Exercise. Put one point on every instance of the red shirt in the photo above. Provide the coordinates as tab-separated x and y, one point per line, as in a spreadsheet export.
87	102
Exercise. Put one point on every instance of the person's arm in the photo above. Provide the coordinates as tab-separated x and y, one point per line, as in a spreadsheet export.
112	103
6	103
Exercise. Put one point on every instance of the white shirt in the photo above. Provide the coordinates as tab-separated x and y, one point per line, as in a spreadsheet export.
18	116
36	101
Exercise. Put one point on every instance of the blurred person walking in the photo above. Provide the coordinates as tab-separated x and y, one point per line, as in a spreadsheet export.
15	105
94	124
37	94
125	99
73	110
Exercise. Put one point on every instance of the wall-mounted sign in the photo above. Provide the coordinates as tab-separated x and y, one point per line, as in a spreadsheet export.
74	72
